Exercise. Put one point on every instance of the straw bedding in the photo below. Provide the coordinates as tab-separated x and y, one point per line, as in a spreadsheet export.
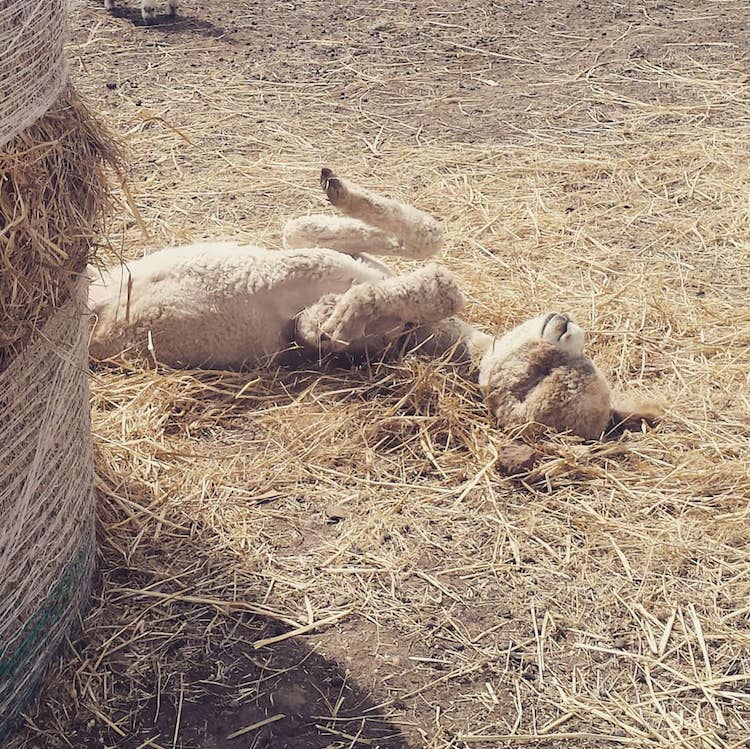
54	196
327	559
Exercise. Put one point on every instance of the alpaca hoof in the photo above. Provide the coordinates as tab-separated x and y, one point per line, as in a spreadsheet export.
307	329
346	323
332	186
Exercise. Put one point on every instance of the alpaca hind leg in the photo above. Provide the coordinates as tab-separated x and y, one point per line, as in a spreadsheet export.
344	234
172	4
371	315
417	234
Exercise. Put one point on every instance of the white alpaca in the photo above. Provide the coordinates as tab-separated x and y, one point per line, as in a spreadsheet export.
148	8
228	306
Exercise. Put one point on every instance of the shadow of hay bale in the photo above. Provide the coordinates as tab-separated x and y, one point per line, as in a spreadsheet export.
152	672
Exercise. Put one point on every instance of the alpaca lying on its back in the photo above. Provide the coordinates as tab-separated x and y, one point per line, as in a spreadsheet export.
222	305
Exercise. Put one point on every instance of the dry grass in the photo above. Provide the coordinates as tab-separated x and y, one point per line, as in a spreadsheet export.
600	599
54	198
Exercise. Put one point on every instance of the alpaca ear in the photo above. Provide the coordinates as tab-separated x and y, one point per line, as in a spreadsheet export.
630	414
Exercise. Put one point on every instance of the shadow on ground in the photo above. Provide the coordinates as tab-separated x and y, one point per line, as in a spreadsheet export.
166	23
150	670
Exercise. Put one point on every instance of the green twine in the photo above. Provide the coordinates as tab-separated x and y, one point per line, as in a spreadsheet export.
60	606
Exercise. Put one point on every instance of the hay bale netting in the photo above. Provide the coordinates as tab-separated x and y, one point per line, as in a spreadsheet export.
46	500
53	195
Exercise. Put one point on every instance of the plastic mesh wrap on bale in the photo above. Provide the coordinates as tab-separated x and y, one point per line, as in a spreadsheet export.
46	501
54	195
33	61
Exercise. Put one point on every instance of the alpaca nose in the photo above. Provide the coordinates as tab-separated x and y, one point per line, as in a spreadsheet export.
558	321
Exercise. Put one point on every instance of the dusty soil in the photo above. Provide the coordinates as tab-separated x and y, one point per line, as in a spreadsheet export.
469	73
228	111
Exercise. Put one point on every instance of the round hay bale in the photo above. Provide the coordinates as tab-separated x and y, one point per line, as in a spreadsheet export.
54	194
54	190
32	61
46	499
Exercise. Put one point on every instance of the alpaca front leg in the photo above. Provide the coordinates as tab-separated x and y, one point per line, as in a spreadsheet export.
172	7
371	312
148	11
417	234
462	342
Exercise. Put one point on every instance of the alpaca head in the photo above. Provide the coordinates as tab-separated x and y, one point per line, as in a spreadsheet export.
536	376
557	328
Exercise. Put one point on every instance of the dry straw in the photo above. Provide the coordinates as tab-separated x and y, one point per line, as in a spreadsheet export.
54	195
600	599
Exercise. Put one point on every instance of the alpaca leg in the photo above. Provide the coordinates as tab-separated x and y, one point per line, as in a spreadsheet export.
462	342
417	235
148	11
109	4
374	314
172	7
344	234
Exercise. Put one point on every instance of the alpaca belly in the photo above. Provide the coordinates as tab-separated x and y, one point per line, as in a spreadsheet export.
214	306
187	325
230	335
250	330
233	330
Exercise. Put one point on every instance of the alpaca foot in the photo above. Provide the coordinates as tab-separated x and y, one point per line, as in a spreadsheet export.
355	309
307	325
348	322
148	11
332	186
348	197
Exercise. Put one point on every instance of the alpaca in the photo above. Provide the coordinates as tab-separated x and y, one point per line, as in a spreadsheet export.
221	305
148	8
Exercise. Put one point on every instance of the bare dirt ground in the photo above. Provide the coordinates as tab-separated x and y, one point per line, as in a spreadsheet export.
584	155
